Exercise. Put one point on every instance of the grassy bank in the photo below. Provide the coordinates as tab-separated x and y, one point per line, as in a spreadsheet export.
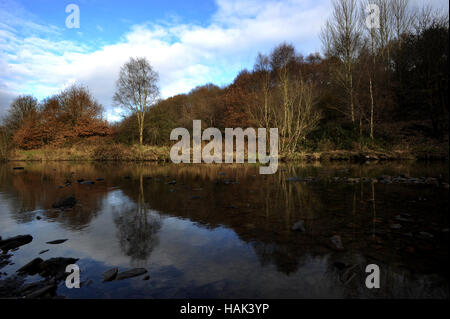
120	152
105	152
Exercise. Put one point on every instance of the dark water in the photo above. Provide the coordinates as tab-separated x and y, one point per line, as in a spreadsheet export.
225	231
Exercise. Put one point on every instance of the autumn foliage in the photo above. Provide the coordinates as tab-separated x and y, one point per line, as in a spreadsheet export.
61	119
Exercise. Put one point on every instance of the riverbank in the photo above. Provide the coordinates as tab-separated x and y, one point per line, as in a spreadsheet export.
121	152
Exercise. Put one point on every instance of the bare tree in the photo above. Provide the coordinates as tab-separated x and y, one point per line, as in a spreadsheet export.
262	67
294	107
22	108
341	37
137	89
402	18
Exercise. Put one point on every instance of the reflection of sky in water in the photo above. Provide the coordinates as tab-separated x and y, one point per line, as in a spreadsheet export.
184	258
187	257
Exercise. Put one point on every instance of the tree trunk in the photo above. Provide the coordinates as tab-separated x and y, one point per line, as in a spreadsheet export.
371	108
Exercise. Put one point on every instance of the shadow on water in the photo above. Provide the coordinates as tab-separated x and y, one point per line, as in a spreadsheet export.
226	231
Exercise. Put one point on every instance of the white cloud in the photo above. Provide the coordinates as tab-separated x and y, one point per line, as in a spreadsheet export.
185	55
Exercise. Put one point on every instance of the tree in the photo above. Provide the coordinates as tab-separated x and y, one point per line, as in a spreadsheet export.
286	101
341	39
71	114
23	108
424	73
137	89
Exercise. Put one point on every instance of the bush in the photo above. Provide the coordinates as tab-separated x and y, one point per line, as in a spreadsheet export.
110	152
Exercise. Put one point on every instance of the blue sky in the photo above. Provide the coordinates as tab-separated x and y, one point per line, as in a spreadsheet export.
189	43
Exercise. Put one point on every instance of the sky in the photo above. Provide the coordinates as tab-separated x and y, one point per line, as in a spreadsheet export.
188	42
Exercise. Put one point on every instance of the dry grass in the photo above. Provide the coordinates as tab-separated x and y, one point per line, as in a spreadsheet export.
104	152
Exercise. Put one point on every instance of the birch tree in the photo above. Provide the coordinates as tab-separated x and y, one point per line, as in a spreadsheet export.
137	89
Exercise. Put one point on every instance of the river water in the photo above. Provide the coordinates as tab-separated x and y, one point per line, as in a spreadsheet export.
224	231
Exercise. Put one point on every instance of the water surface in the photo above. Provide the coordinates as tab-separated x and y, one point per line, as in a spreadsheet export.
225	231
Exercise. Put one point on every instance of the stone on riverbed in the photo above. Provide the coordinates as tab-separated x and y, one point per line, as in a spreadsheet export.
131	273
110	274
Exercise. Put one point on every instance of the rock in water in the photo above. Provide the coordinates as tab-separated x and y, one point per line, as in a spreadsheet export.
131	273
87	183
15	242
55	242
32	267
299	226
55	267
68	202
110	274
337	242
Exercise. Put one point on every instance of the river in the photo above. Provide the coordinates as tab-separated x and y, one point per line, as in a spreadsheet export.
224	231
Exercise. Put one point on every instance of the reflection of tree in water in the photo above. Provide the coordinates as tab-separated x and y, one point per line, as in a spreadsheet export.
138	229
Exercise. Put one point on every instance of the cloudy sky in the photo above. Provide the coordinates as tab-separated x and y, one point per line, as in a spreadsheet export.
189	42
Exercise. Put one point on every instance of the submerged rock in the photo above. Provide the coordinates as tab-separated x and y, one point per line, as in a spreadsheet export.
68	202
110	274
131	273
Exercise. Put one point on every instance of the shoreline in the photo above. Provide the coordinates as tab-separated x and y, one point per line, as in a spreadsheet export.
162	154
